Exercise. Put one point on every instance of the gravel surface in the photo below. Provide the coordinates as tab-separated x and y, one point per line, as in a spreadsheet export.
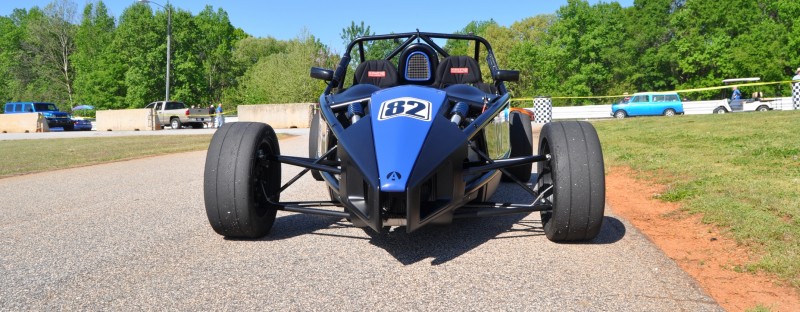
132	235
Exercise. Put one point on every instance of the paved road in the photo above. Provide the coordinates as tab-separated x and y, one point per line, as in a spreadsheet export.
123	236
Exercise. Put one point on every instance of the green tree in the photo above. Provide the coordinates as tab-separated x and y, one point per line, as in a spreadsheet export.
97	76
218	37
137	44
461	47
188	82
283	77
50	42
10	34
523	47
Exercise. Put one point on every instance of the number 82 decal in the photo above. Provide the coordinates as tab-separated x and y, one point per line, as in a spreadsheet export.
405	107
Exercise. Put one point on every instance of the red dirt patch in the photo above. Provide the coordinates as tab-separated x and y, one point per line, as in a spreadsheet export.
700	249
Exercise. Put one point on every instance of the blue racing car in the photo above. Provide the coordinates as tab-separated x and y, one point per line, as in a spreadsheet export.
417	137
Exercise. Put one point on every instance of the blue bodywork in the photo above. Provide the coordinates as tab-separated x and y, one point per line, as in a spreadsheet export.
399	136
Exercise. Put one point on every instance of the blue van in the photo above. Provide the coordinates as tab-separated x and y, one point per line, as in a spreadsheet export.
649	104
50	111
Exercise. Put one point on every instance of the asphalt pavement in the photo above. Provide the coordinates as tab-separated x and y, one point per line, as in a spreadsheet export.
133	235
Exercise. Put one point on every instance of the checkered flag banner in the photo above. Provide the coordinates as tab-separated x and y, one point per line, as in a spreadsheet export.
796	95
542	109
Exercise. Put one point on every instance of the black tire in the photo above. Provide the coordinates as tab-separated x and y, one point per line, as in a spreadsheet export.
762	108
720	110
620	114
69	128
669	112
239	177
175	123
575	172
521	145
197	125
313	141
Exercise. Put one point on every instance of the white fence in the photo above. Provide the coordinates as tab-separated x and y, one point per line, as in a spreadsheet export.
689	108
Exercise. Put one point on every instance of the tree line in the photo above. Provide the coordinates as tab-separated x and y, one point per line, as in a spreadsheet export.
55	54
653	45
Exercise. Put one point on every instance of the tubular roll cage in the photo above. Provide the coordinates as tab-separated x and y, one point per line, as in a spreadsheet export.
328	168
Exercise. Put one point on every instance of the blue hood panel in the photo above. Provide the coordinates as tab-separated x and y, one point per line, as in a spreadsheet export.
401	120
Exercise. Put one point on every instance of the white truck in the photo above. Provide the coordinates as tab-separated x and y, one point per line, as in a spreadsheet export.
177	114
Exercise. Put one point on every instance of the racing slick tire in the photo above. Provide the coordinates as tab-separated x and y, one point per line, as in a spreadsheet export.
313	141
521	144
240	181
575	173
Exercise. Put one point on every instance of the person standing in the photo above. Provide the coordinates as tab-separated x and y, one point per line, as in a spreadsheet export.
220	116
796	89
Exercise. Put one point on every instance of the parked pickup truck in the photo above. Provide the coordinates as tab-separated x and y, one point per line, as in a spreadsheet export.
176	114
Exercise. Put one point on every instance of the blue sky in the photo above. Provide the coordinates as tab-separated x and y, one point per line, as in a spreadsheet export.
325	19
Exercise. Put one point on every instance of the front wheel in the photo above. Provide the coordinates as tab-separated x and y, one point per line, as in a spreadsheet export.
242	180
762	108
720	110
572	180
620	114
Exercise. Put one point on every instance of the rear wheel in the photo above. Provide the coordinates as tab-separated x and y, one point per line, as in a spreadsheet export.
720	110
762	108
620	114
669	112
572	180
521	144
241	183
175	123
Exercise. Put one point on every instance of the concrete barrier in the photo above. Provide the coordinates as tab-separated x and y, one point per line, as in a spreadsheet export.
278	116
127	120
23	123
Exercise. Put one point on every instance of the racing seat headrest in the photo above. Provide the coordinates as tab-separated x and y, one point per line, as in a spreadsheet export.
381	73
459	69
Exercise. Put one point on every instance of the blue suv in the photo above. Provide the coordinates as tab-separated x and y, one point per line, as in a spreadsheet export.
649	104
54	117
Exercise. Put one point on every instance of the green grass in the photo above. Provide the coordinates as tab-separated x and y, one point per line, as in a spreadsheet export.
28	156
741	171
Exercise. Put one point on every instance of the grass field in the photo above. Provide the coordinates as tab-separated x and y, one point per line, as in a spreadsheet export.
741	171
29	156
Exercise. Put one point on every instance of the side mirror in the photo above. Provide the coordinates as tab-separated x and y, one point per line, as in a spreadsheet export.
506	75
321	73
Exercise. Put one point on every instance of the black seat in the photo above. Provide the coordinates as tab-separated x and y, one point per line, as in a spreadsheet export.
461	69
380	73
